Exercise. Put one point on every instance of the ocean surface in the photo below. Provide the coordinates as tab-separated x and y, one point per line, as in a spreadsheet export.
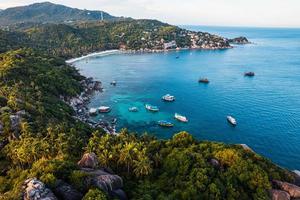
267	106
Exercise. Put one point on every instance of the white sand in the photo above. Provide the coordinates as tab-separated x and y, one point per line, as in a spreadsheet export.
101	53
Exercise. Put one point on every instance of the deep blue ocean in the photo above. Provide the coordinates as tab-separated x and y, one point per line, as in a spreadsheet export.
267	106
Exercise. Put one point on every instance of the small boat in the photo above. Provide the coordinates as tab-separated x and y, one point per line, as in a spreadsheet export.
203	80
168	97
164	123
104	109
93	111
114	83
250	74
180	118
133	109
231	120
151	108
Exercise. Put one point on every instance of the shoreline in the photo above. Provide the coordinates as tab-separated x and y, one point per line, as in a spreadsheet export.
100	53
130	51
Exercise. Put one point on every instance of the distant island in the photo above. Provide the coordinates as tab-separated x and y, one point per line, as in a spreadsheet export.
48	152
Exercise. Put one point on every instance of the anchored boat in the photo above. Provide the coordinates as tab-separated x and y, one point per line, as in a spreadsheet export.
151	108
164	123
180	118
114	83
231	120
250	74
203	80
168	98
133	109
93	111
104	109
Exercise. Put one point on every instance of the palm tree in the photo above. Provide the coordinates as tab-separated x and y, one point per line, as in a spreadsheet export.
126	156
104	158
142	166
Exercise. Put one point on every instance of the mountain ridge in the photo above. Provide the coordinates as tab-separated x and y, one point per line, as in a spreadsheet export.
47	12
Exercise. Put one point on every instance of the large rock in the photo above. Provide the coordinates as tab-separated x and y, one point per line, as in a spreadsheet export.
279	195
15	121
293	190
36	190
214	162
103	180
88	160
66	192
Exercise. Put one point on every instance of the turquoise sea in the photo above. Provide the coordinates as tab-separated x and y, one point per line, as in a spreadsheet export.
267	106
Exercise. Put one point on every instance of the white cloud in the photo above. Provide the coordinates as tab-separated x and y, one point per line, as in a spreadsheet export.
207	12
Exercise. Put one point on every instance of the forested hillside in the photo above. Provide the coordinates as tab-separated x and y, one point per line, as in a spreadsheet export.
77	39
47	12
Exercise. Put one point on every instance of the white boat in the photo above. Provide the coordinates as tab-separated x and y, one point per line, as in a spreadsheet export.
231	120
180	118
168	97
93	111
151	108
104	109
133	109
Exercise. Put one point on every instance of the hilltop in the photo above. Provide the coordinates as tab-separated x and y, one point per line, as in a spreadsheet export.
47	12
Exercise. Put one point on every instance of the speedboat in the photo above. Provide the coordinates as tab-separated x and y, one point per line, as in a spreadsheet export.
151	108
168	98
104	109
180	118
231	120
133	109
93	111
164	123
250	74
203	80
114	83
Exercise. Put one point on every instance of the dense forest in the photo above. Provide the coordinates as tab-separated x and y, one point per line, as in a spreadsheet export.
46	152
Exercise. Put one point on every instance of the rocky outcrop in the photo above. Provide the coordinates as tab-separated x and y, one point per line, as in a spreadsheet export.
36	190
88	160
66	192
214	162
279	195
293	190
239	40
103	180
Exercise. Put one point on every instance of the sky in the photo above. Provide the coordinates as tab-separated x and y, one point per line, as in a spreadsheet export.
256	13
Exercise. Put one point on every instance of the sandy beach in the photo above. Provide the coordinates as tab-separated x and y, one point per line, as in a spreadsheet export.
101	53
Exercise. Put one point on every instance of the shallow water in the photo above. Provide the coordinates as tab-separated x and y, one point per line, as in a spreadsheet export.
267	106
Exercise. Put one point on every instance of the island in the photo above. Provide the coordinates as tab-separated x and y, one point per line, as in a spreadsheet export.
49	151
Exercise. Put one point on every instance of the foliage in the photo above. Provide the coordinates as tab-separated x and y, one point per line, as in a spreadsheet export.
95	194
180	168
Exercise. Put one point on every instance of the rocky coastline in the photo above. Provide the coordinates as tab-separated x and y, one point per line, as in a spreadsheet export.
79	104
